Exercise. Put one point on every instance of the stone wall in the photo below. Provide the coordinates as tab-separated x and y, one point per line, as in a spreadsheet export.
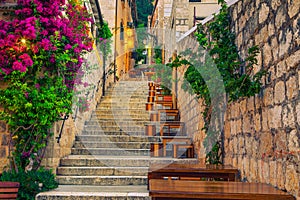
262	133
75	124
262	136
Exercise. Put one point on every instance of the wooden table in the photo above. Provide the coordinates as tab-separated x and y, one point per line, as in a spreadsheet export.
177	139
182	189
179	171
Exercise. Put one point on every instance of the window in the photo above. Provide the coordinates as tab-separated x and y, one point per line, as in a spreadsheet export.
121	31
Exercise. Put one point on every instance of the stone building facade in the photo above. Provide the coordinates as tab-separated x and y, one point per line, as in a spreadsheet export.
120	15
262	137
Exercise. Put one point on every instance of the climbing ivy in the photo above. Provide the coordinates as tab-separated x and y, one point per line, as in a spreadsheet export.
238	76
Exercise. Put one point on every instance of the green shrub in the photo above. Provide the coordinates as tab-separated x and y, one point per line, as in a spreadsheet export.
31	182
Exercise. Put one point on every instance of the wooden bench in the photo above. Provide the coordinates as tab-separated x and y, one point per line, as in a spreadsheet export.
159	149
9	190
195	171
165	104
171	125
192	171
169	112
165	140
183	189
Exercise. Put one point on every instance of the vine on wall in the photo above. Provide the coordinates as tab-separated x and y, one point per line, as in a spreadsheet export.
237	75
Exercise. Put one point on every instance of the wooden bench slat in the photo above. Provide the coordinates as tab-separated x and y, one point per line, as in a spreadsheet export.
5	184
8	196
8	190
214	190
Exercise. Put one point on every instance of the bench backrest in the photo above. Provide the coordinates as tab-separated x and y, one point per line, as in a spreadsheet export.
9	190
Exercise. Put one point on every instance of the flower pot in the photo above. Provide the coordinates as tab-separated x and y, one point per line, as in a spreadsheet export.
167	98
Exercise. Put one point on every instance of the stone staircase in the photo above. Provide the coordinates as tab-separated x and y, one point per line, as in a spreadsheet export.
110	158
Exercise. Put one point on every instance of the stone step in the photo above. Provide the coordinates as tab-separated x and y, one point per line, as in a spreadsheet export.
89	192
119	161
125	95
110	151
125	106
107	118
115	128
122	110
129	145
102	180
102	171
107	123
117	138
102	161
119	116
101	132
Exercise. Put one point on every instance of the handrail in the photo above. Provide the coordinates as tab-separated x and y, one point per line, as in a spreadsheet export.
62	127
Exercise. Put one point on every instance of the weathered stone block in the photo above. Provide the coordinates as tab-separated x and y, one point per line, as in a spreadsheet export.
267	54
292	88
273	172
293	60
253	170
247	124
249	145
288	118
264	118
293	7
266	172
280	17
291	179
280	142
238	123
281	69
277	117
280	175
250	103
268	96
293	141
298	113
279	93
257	122
263	13
285	41
266	144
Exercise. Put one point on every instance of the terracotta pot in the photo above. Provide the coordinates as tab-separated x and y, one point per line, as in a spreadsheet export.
167	98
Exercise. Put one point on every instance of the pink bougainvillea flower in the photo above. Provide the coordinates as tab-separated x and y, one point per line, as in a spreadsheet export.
68	46
37	86
17	65
26	60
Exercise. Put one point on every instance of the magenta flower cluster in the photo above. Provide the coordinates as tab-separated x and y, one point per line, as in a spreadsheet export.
42	34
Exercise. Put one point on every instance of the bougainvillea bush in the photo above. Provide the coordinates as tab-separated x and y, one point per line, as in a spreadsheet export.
41	52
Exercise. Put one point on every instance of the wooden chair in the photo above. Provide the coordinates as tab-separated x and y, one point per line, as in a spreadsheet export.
9	190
